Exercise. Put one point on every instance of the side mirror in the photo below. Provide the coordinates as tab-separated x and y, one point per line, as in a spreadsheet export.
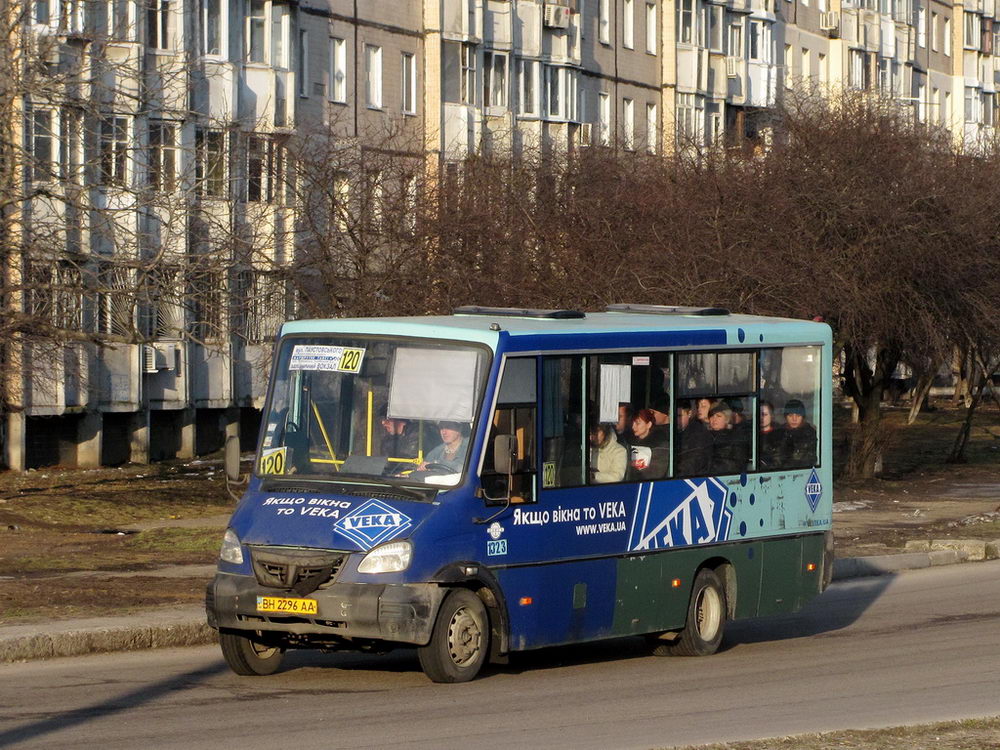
232	461
504	453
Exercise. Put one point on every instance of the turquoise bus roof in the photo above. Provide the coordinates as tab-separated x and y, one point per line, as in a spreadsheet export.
477	328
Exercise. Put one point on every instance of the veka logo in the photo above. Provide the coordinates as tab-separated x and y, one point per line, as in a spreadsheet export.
680	514
814	491
373	523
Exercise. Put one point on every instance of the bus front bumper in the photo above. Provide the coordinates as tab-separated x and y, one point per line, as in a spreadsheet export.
348	612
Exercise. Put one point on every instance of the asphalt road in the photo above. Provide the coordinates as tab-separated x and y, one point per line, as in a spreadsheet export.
916	647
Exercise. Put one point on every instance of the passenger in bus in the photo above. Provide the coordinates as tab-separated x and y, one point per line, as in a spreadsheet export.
769	439
608	457
704	406
400	439
798	445
623	428
741	430
451	452
726	453
694	444
649	457
661	413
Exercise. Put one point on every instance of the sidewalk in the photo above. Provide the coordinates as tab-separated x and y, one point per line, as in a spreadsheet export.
185	626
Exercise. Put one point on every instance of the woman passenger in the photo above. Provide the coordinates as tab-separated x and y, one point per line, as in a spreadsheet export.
649	457
608	457
726	451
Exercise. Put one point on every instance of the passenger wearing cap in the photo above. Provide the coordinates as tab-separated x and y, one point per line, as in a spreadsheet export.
451	452
661	414
727	455
798	444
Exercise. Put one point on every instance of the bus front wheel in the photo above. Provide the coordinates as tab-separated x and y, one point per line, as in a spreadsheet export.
248	657
460	640
706	619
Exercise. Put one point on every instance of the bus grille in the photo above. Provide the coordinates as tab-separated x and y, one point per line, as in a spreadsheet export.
299	570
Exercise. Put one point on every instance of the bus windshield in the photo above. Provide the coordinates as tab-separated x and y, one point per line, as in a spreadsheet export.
348	406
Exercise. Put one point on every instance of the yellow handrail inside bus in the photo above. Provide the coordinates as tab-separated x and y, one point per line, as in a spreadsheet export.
326	439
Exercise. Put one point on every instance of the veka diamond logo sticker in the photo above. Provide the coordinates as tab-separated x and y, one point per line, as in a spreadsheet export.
373	523
814	491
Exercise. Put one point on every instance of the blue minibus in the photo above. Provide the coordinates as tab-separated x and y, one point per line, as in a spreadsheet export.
501	480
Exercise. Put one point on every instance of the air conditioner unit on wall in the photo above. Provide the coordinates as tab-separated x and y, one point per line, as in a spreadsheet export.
586	134
149	358
733	67
556	16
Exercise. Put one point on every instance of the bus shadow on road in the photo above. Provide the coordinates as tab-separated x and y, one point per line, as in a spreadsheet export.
834	610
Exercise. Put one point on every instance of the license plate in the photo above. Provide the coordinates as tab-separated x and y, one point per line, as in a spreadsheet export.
287	605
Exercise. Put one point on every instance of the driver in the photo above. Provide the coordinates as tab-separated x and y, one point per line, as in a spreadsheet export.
451	452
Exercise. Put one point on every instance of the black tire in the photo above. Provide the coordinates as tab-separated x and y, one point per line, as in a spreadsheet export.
248	657
706	619
460	640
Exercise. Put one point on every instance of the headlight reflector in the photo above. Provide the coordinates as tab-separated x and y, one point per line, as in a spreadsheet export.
232	550
393	557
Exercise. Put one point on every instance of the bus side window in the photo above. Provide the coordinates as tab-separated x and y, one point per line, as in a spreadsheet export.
790	408
565	441
514	416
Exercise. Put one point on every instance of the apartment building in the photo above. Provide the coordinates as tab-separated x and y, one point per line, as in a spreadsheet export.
162	200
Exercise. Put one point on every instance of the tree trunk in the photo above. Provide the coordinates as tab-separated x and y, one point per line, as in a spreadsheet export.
920	391
865	386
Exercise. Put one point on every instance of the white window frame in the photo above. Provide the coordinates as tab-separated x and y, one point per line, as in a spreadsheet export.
119	19
40	136
221	28
652	127
628	24
495	79
604	21
972	34
528	87
303	64
163	148
651	31
408	82
947	37
373	76
158	25
628	124
280	42
115	136
716	32
685	21
255	44
337	91
604	118
922	27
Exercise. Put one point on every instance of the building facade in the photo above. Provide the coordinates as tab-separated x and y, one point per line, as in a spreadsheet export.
160	195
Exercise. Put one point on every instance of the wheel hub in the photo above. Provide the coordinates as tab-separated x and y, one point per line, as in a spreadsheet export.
464	638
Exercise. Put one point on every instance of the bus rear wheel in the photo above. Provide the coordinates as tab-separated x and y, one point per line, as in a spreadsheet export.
706	619
460	640
248	657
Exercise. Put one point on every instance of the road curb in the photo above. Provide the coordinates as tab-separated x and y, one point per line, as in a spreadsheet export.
105	634
187	626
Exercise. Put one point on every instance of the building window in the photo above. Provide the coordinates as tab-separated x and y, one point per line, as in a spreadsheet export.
604	21
408	79
988	108
921	27
494	79
758	41
211	26
560	93
373	76
528	87
628	124
280	36
338	70
114	150
736	38
947	37
210	163
604	118
257	147
688	119
651	28
628	24
973	30
685	21
256	18
40	143
157	24
119	19
162	156
302	73
973	110
459	73
934	31
651	128
716	23
859	70
821	64
789	78
919	98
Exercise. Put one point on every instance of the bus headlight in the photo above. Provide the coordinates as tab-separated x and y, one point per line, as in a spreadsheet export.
232	550
393	557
